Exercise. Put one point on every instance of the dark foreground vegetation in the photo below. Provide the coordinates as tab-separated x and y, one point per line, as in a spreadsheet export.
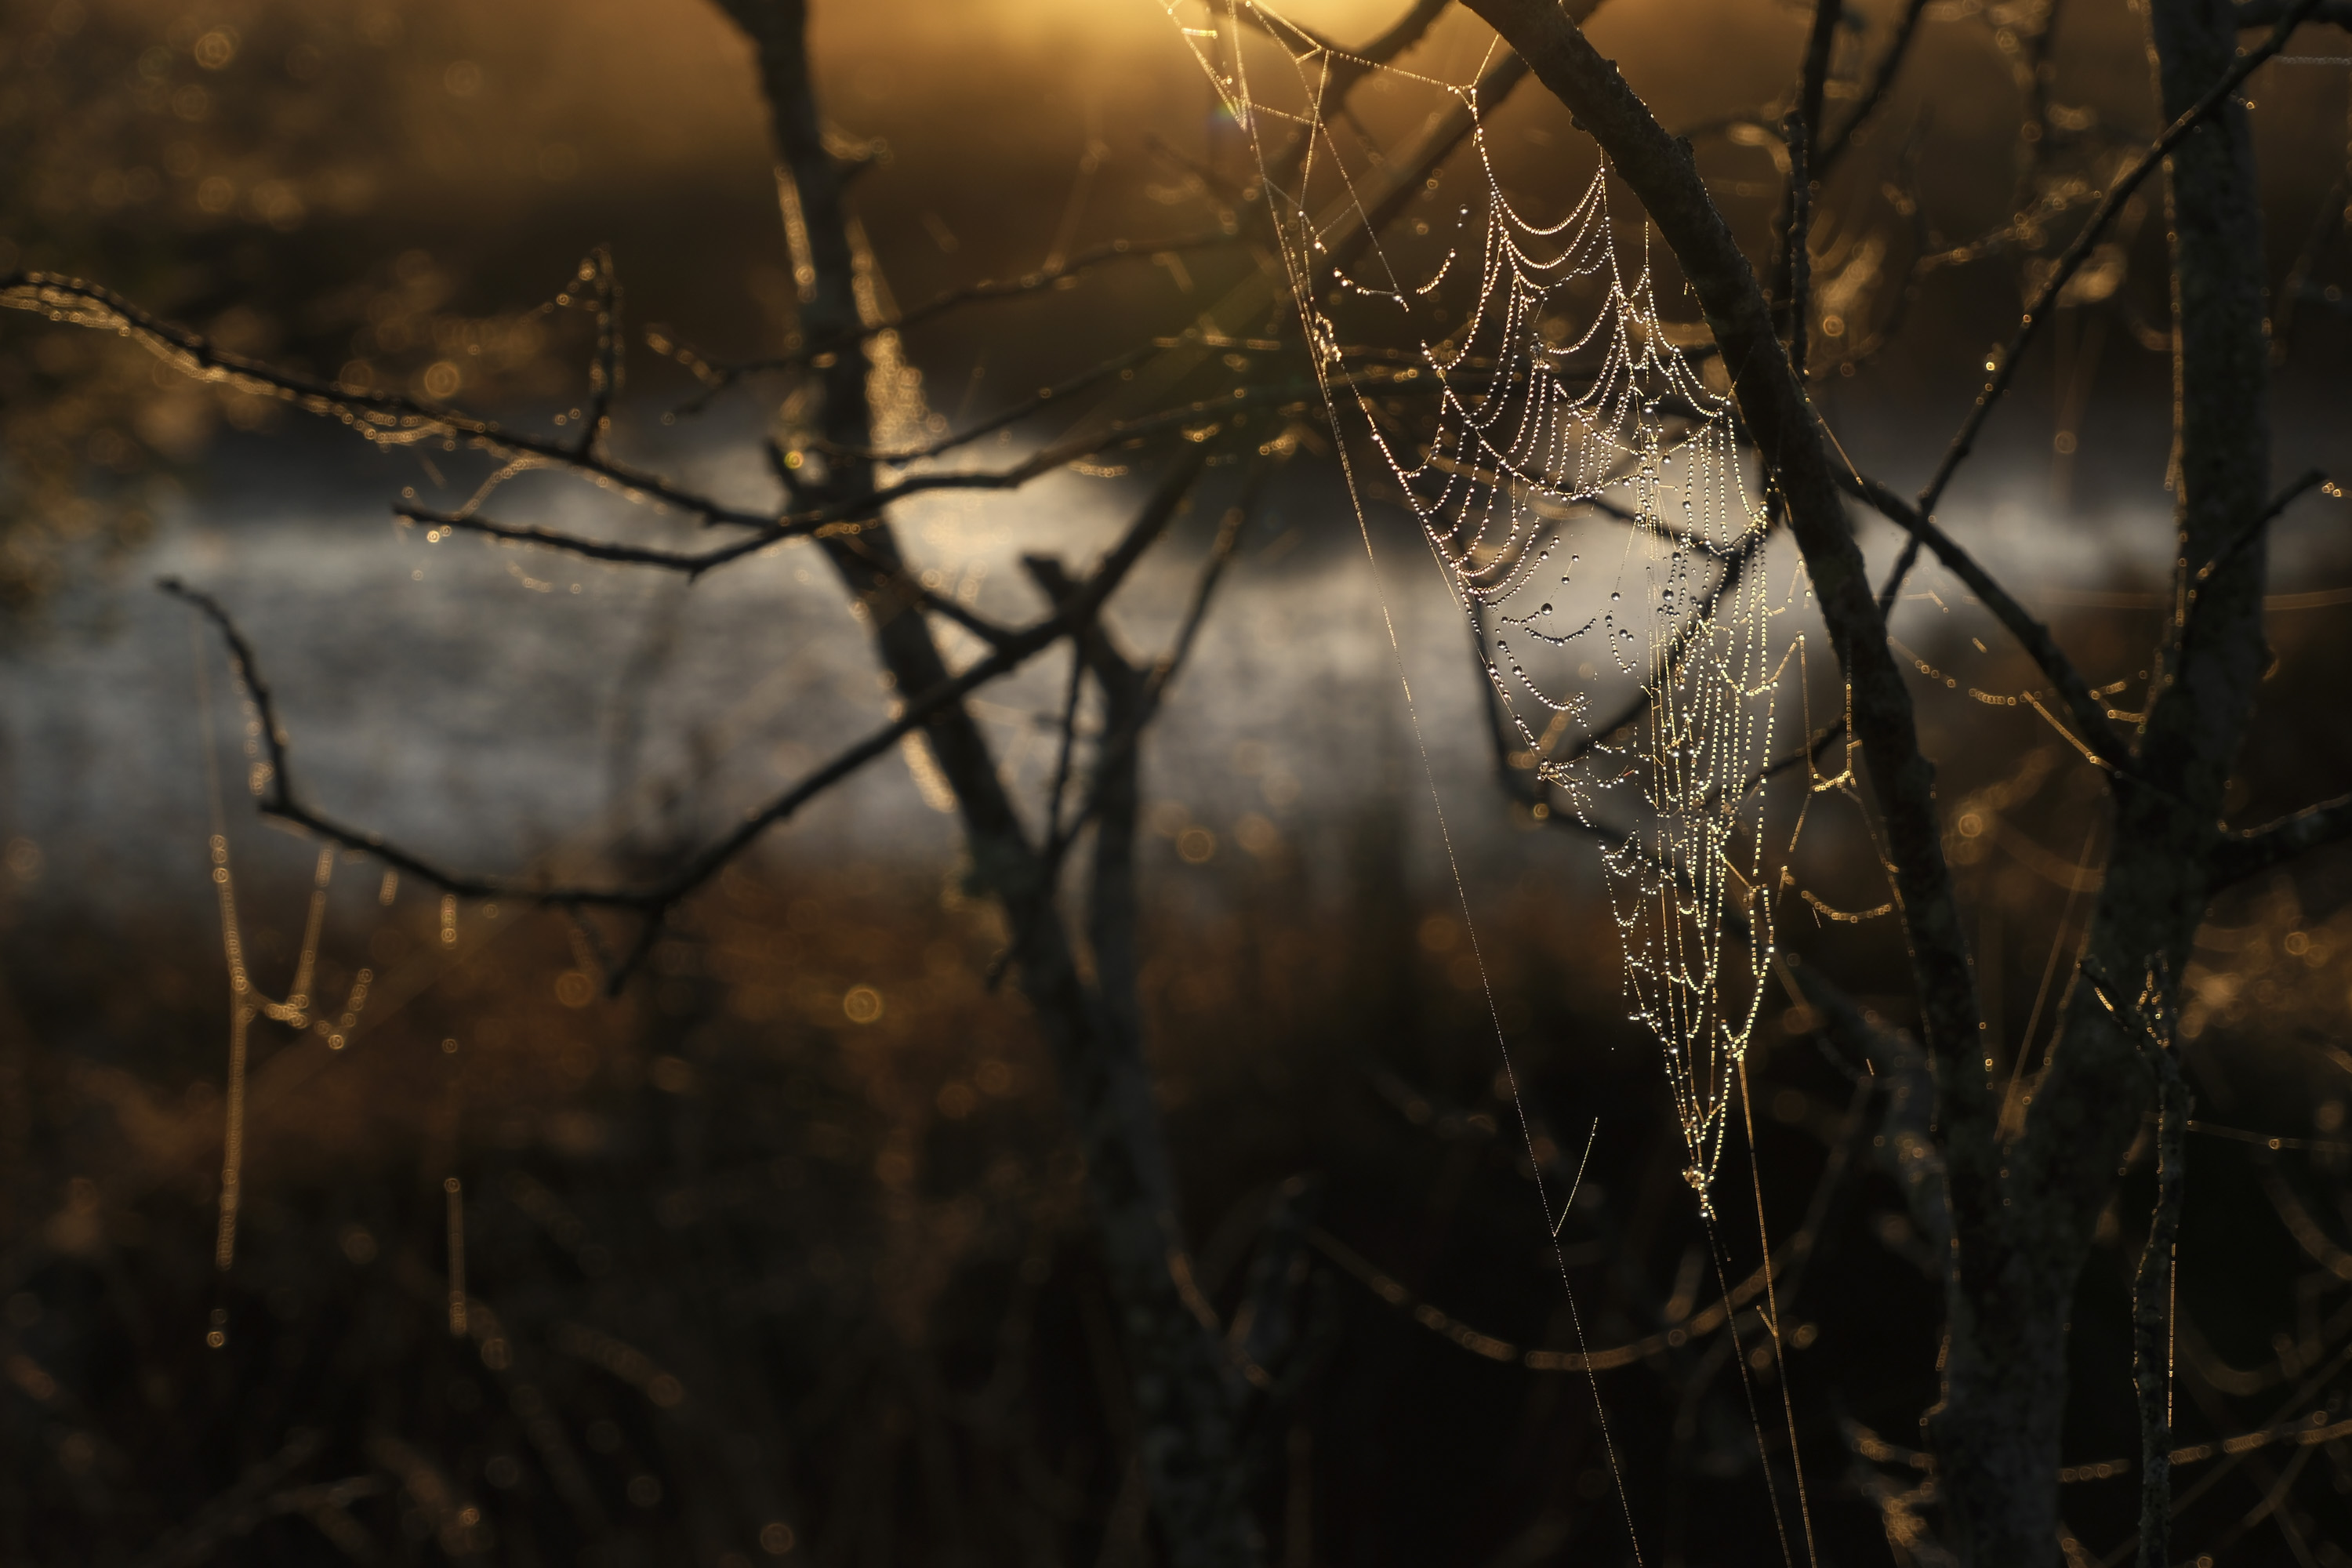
743	1274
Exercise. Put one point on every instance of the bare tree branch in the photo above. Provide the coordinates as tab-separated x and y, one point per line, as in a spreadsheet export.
605	370
1835	148
382	416
1911	1155
2070	261
1800	131
716	376
2250	532
692	563
2090	715
1014	416
2239	856
280	798
1119	743
2152	1281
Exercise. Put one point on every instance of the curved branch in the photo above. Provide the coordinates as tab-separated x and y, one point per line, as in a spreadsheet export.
1897	48
2089	714
2240	856
716	378
281	800
844	516
2071	260
692	563
377	415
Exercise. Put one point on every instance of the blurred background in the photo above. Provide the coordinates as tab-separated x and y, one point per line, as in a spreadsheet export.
783	1254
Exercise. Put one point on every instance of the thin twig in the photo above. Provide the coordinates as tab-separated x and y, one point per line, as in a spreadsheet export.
1801	129
1835	148
995	422
692	563
2302	484
2240	856
2004	369
1115	747
378	415
1799	239
1197	421
716	378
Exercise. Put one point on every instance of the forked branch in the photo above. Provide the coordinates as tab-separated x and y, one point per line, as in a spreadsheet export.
1836	147
717	377
2070	261
2089	714
281	798
378	415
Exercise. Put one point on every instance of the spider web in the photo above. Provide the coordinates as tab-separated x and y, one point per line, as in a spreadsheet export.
1576	476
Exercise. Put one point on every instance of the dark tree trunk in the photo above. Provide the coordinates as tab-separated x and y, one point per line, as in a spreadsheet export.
1185	1392
2005	1395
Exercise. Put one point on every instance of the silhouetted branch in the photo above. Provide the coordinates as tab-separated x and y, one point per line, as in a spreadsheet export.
1120	744
1796	244
605	370
1801	128
382	416
2088	713
716	377
281	800
2296	489
1012	415
693	563
2070	261
2152	1279
2240	856
1836	147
